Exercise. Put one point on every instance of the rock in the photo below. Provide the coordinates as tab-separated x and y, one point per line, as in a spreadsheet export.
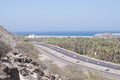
20	60
8	72
22	65
5	59
34	63
39	71
20	55
27	60
30	66
47	73
26	66
53	77
24	72
44	78
14	74
57	76
23	60
15	53
4	76
2	66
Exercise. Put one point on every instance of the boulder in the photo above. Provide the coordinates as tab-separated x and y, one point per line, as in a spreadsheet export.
44	78
34	63
5	59
20	60
23	60
8	72
27	60
53	77
14	74
39	71
24	72
4	76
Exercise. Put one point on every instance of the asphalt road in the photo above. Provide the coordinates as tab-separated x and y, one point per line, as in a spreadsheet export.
44	51
82	58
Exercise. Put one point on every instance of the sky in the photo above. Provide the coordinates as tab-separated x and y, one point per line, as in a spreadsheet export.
60	15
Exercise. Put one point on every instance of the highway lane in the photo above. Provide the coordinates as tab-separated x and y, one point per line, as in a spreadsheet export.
55	57
82	58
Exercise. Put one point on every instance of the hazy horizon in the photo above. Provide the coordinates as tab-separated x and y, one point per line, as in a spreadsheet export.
60	31
63	15
68	33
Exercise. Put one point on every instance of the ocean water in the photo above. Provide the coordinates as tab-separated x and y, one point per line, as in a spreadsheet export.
80	33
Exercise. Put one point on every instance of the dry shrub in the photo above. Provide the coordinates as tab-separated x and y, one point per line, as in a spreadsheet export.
29	49
4	49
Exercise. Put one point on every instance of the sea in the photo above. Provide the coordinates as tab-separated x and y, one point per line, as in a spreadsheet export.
70	33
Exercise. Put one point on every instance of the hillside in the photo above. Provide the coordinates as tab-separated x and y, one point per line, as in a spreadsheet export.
7	37
19	60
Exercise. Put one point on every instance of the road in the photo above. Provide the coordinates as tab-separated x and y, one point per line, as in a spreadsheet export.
81	58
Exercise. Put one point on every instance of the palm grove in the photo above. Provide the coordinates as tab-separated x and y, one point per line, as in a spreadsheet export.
104	49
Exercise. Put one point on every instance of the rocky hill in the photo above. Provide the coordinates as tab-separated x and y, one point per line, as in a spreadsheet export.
17	61
105	36
20	60
7	37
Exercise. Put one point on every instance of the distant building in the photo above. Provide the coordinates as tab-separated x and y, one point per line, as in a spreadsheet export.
31	36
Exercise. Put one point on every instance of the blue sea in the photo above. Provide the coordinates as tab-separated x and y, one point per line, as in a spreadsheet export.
79	33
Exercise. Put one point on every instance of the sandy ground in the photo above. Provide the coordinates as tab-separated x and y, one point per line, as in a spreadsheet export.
46	57
66	58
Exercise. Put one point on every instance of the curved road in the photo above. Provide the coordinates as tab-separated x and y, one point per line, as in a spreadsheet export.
78	57
82	58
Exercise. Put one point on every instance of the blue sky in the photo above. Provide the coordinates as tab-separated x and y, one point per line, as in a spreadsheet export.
60	15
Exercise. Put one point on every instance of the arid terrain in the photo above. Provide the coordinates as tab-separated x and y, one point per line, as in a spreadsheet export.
21	60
